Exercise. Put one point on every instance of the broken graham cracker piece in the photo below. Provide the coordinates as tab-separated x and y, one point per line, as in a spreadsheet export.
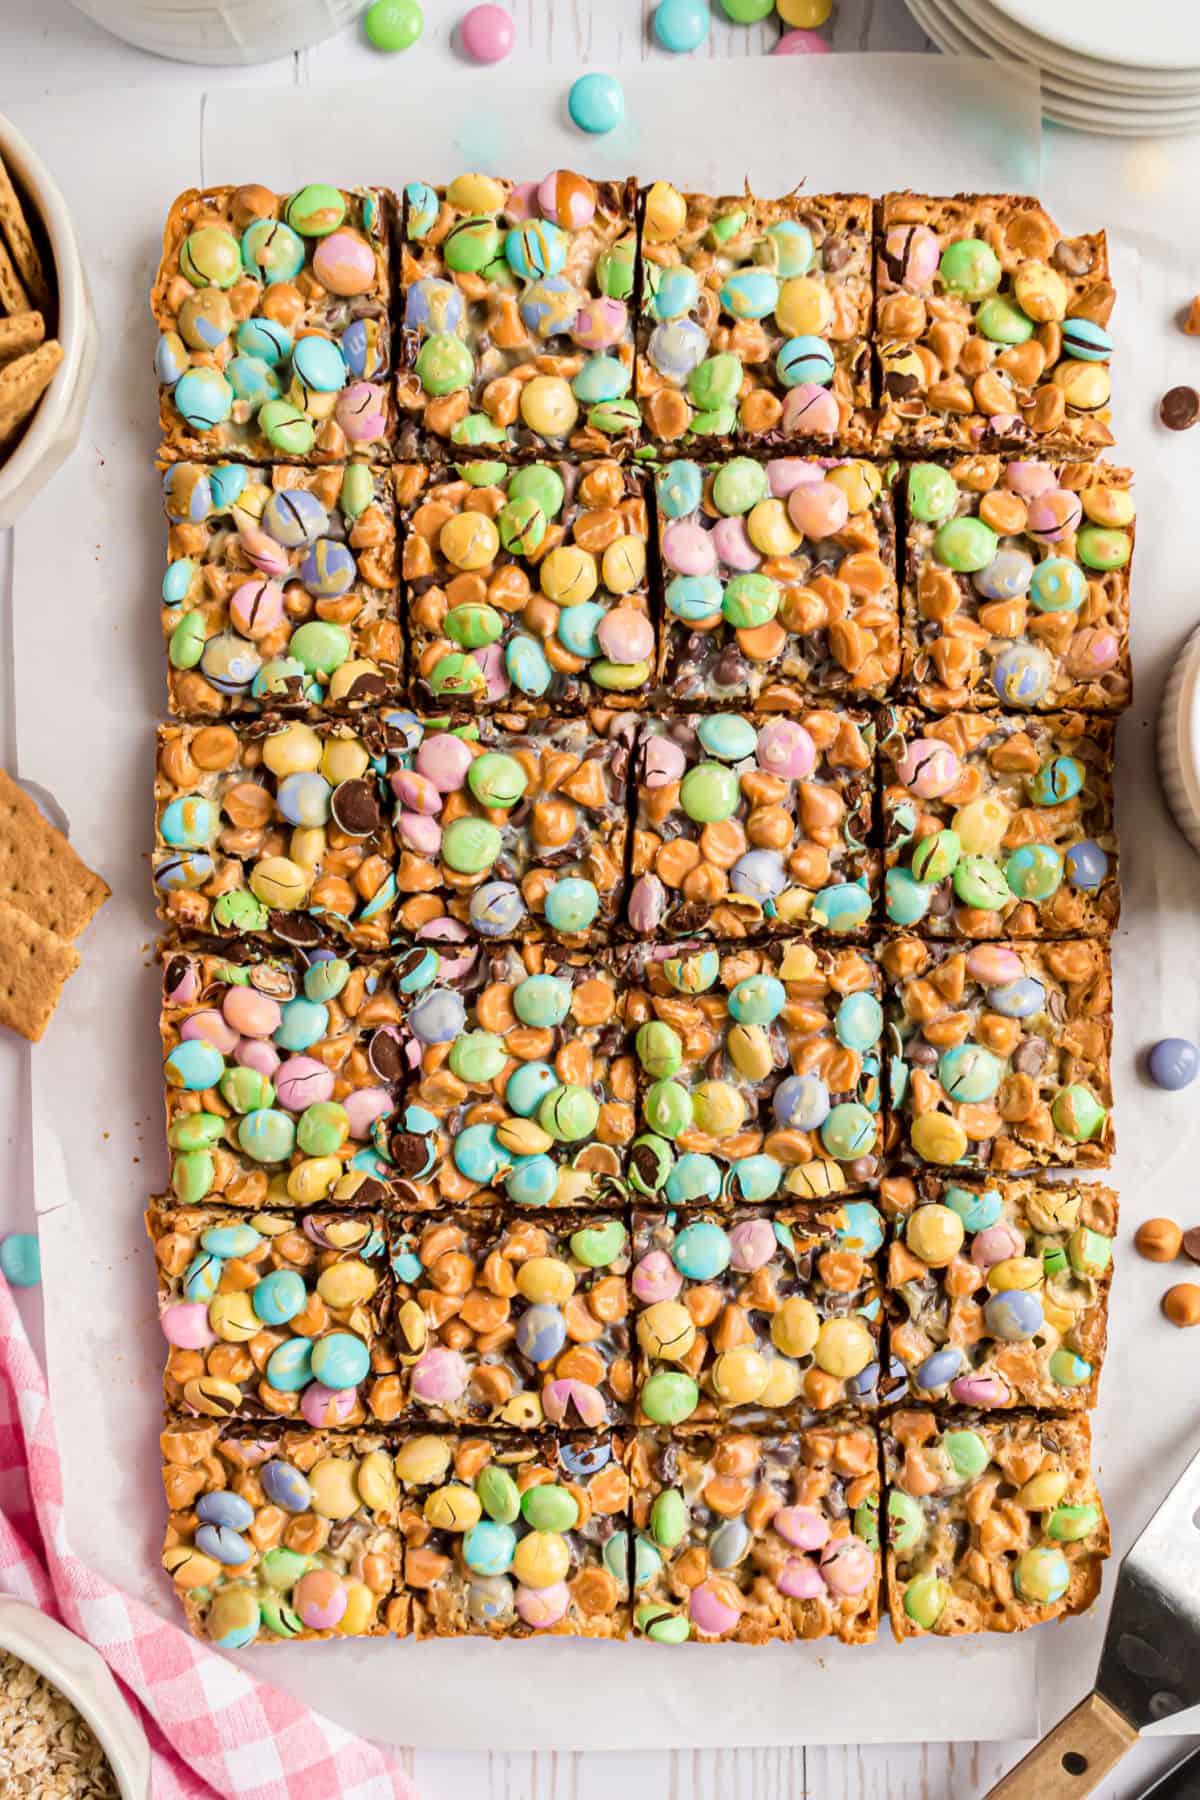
19	334
22	384
39	872
15	228
13	298
34	966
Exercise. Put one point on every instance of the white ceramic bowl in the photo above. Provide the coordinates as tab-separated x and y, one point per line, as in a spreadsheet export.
1179	740
222	31
53	431
81	1673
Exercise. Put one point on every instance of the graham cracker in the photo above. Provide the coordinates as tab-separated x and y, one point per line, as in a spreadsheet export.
34	965
22	384
39	872
22	332
13	298
15	227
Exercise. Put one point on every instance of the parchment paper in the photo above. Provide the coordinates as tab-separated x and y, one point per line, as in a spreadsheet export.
89	681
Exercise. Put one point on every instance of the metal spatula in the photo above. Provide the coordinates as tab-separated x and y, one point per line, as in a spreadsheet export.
1150	1668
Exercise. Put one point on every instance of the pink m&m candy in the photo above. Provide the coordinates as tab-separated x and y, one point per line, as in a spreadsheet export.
996	1244
522	203
344	263
800	1579
786	749
361	412
599	324
256	607
268	557
212	1028
784	473
802	1526
319	1599
994	965
439	1376
626	636
912	254
1091	651
567	199
257	1054
1054	515
540	1607
663	761
186	1325
253	1014
181	982
818	508
752	1244
363	1107
810	410
444	760
688	549
417	831
1029	478
495	676
929	767
415	792
324	1406
302	1081
655	1278
574	1403
801	43
979	1390
733	545
847	1565
711	1609
487	34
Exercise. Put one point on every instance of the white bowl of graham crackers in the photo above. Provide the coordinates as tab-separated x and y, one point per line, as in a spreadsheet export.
47	326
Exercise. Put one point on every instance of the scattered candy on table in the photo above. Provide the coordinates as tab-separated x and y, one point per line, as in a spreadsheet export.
1191	322
1158	1240
800	43
487	33
397	24
21	1259
747	12
1173	1063
596	103
681	25
1179	408
1181	1304
805	14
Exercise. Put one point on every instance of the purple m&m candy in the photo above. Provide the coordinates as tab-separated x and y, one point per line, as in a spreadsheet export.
1173	1062
979	1390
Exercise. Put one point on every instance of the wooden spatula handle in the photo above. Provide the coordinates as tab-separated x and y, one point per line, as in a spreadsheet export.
1074	1758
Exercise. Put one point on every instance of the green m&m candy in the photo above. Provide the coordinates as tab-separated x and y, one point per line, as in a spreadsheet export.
1003	322
185	646
211	257
1077	1113
523	525
456	673
651	1160
496	780
540	483
595	1246
316	210
936	856
323	1129
715	382
1069	1524
473	624
970	269
1034	871
669	1397
739	485
669	1518
471	245
966	1453
906	1521
615	269
568	1113
477	1057
965	545
932	493
444	364
286	427
320	647
667	1108
924	1600
659	1049
1041	1575
1101	547
470	845
548	1507
979	883
1090	1251
709	793
750	600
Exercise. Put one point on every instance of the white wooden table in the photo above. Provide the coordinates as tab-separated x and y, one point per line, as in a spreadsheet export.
45	45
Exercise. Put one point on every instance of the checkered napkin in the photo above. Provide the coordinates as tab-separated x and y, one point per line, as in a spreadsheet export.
212	1729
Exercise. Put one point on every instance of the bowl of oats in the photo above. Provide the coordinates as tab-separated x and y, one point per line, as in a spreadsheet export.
66	1731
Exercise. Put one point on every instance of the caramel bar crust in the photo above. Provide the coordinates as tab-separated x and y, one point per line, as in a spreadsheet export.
991	327
279	1535
998	1289
755	320
999	825
760	1315
505	1538
272	311
1000	1054
754	1539
780	582
527	592
1016	587
749	825
280	588
993	1524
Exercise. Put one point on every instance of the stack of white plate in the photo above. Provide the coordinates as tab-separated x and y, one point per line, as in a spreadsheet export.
1102	67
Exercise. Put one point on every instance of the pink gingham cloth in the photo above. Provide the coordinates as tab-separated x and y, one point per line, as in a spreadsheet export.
212	1729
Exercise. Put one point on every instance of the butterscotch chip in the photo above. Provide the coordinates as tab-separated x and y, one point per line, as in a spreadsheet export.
1181	1304
34	964
1192	323
15	227
1159	1240
39	872
22	332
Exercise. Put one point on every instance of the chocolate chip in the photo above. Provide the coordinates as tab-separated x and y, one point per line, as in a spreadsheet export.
295	928
355	808
731	669
921	1054
175	971
899	385
1179	408
409	1151
1029	1056
1072	256
835	253
1191	1243
385	1053
368	686
645	1162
